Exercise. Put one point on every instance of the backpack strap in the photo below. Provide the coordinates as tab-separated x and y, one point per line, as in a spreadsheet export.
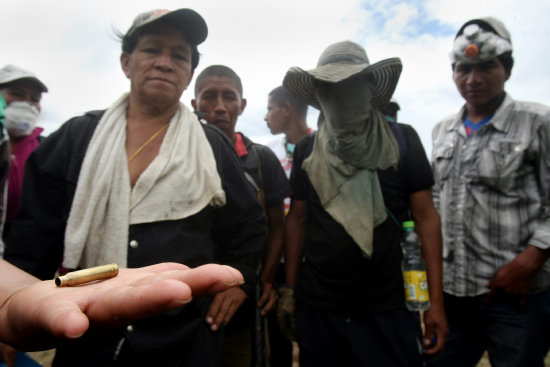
260	193
259	160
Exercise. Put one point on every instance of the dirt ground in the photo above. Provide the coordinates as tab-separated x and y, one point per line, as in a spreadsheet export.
45	359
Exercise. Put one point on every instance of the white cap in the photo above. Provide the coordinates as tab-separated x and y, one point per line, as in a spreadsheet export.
11	73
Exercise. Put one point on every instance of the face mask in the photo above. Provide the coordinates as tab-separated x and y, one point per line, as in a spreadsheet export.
20	119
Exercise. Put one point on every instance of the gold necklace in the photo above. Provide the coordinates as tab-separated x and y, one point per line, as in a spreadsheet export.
148	141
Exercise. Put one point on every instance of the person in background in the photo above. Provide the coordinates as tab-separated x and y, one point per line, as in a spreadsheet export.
4	170
22	91
391	111
219	100
286	114
141	183
354	183
492	189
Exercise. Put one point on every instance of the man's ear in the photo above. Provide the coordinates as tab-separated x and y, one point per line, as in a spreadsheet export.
194	104
243	105
287	108
124	63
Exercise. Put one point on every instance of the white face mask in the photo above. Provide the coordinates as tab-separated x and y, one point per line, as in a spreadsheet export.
20	119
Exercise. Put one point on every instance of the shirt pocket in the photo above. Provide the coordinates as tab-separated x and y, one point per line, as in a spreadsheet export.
499	163
443	161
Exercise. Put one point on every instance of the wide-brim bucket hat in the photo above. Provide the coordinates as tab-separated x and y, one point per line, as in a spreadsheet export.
339	62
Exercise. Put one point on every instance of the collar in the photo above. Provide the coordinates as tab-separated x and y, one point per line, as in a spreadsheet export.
499	121
32	136
239	145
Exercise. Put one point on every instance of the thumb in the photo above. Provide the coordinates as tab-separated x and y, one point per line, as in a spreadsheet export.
67	321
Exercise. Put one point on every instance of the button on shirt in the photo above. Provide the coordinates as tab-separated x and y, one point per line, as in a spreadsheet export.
492	191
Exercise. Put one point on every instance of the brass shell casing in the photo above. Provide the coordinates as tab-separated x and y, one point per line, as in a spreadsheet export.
87	275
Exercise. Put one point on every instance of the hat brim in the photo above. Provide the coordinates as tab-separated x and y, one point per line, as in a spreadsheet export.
188	21
385	74
31	79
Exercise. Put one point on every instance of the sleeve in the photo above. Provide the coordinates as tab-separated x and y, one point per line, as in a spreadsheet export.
299	181
35	243
240	229
415	165
541	236
276	185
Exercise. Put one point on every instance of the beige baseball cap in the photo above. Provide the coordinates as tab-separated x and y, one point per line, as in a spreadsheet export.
11	73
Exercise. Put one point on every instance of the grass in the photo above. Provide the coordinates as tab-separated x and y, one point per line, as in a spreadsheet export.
485	361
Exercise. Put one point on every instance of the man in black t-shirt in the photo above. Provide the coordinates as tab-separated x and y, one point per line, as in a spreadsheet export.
219	99
354	183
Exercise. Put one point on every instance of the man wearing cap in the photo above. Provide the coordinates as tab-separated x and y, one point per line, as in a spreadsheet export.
492	188
141	183
22	91
353	186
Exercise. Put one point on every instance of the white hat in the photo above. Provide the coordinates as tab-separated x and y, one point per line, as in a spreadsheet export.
11	73
188	21
481	40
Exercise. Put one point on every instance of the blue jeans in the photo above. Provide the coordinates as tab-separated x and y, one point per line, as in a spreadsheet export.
389	338
512	335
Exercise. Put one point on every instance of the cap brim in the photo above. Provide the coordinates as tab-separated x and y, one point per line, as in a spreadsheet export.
385	77
31	79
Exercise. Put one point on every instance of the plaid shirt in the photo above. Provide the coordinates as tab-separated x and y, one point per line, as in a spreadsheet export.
492	191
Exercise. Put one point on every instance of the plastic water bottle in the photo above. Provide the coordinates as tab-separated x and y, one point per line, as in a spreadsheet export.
417	297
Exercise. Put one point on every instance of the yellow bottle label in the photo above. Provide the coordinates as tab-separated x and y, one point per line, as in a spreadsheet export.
416	286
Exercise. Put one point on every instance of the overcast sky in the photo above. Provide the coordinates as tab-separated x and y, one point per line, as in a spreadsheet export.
71	46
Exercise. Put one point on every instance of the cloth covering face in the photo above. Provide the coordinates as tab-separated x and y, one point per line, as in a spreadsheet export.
180	181
353	141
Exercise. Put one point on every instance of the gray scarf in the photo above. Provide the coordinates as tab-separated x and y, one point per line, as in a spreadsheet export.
353	141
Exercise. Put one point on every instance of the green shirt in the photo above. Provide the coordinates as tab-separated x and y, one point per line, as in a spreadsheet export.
3	106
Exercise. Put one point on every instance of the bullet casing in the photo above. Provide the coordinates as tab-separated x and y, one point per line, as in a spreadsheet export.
87	275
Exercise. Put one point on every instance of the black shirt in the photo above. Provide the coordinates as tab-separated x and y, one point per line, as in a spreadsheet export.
335	275
233	234
264	166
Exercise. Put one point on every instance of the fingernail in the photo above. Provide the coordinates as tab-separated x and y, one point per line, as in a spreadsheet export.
230	283
184	301
209	320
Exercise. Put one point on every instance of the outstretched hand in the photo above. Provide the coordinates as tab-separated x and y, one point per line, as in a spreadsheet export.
38	315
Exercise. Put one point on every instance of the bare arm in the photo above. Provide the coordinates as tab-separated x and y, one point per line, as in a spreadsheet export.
295	228
272	258
428	227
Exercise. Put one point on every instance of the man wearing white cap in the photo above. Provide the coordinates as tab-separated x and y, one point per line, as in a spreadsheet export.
492	188
140	183
353	186
22	91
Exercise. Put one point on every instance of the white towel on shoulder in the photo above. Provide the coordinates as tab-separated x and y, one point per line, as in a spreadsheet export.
179	182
